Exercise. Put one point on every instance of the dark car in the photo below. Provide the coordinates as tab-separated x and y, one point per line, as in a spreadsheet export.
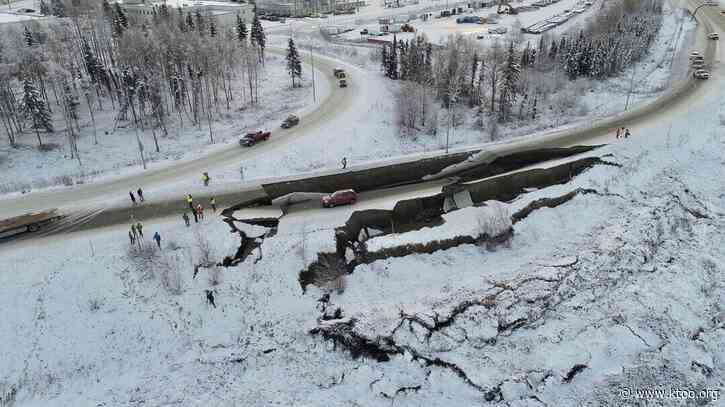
253	137
290	121
344	197
364	31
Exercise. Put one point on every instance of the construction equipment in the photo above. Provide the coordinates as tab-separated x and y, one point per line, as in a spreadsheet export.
505	8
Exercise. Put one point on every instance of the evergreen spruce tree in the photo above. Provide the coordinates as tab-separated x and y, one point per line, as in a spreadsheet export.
294	67
509	91
28	37
164	12
93	66
241	30
58	8
257	35
413	58
120	15
392	67
212	28
44	8
35	109
403	56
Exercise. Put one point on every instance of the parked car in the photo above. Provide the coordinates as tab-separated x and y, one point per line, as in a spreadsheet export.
339	73
701	74
343	83
290	121
713	36
344	197
497	30
694	54
364	31
254	137
282	20
698	64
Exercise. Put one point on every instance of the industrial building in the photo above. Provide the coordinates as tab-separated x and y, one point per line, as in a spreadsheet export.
224	12
301	8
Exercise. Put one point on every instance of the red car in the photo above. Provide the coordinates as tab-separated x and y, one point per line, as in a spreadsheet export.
253	137
344	197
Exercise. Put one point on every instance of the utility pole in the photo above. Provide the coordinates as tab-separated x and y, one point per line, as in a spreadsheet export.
312	62
631	88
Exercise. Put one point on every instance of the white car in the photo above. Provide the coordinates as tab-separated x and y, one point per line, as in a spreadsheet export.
713	36
701	74
694	54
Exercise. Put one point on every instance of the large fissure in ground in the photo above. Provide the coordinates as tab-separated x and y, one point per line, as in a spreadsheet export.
414	214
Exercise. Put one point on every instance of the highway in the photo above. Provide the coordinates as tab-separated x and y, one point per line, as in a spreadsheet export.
674	103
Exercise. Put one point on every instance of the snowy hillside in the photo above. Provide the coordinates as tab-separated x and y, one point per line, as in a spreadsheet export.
617	289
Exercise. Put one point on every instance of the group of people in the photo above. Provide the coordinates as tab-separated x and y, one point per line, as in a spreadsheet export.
622	132
133	197
135	235
197	211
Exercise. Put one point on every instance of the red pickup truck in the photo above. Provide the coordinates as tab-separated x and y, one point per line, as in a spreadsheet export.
253	137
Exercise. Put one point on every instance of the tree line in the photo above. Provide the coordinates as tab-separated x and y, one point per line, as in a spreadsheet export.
512	80
172	64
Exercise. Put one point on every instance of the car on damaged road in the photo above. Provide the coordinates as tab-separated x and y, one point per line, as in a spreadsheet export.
343	197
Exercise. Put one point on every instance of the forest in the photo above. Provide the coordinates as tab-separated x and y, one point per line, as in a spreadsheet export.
172	66
512	80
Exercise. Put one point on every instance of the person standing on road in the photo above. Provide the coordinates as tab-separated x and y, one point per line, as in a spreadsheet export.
205	177
210	298
196	215
200	211
212	202
139	227
190	202
140	194
133	230
618	132
186	219
133	198
344	162
157	238
131	238
626	134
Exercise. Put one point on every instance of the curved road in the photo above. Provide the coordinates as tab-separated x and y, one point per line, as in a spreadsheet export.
674	102
338	100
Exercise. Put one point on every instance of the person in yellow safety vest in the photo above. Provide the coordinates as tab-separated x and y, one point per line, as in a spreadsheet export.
213	204
190	201
205	178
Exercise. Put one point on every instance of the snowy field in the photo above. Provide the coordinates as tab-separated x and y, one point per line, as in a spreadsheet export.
614	291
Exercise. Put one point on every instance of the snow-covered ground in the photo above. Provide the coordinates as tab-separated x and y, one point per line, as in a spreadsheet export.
369	131
116	154
613	292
